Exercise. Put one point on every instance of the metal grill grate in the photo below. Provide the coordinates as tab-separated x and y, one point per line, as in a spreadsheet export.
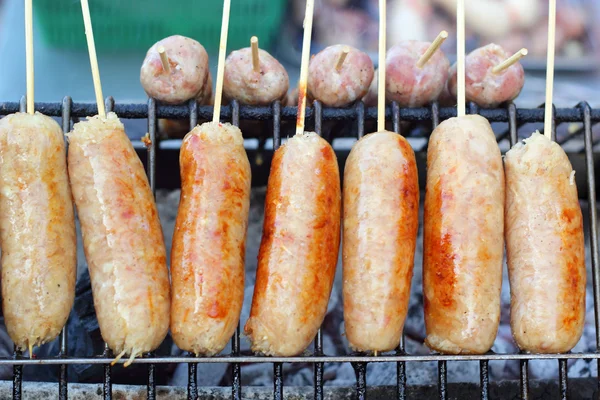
358	114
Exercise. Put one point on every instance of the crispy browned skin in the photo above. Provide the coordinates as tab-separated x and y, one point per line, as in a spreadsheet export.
37	229
381	219
207	258
544	247
463	237
122	236
299	248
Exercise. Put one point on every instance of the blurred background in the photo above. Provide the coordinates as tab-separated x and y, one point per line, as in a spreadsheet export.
125	29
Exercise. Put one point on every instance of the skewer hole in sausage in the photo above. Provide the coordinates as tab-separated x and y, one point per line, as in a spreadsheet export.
37	230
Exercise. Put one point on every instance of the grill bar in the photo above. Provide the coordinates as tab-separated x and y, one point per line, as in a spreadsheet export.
442	380
484	378
591	181
151	171
63	378
139	111
109	104
243	359
192	388
400	366
563	382
360	369
277	366
318	345
524	383
236	381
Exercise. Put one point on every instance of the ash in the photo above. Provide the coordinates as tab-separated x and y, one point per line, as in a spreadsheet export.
84	339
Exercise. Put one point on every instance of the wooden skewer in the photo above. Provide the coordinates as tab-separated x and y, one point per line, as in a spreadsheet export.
89	34
221	64
460	58
255	59
381	76
550	69
29	54
164	59
342	58
433	47
308	22
510	61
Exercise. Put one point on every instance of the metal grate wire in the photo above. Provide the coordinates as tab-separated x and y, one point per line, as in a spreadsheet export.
317	114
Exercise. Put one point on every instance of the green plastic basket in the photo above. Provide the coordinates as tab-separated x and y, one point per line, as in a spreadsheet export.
137	24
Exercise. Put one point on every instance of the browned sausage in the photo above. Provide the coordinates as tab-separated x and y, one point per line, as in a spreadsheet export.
37	229
544	247
463	237
299	248
381	219
122	236
207	258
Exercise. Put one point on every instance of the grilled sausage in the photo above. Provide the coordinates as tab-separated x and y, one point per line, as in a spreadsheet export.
381	219
188	70
484	87
410	85
207	258
247	86
545	248
37	229
463	237
299	248
339	88
122	236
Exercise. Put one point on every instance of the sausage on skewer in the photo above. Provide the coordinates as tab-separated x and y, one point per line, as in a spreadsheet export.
37	229
462	251
544	247
381	217
122	236
299	248
207	260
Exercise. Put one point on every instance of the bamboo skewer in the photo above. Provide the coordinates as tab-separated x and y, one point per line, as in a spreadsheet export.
433	47
550	70
164	59
302	83
221	64
460	58
29	54
510	61
381	71
342	58
255	59
89	34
